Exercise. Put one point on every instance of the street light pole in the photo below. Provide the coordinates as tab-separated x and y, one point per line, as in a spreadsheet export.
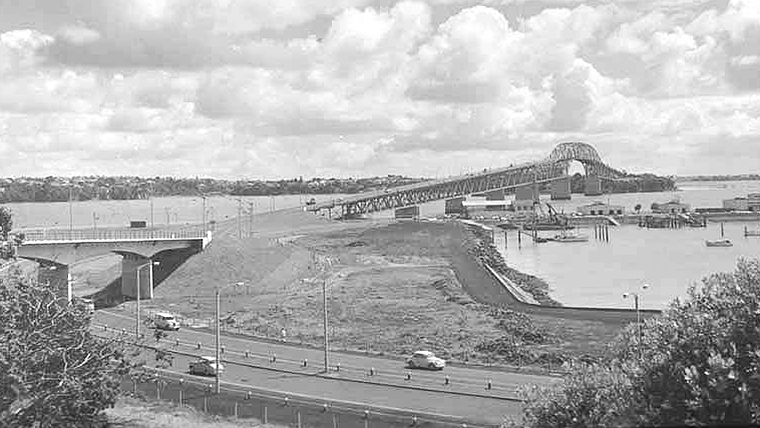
218	387
638	314
324	305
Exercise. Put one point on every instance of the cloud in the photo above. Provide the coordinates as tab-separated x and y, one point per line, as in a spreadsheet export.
249	87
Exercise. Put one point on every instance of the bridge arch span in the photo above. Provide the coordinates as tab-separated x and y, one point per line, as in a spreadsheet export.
574	150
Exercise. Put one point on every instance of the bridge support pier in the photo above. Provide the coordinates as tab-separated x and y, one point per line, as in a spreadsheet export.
454	206
593	186
131	266
57	277
496	195
561	189
526	193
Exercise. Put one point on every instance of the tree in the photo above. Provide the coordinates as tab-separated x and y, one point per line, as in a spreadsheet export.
637	208
6	222
53	370
699	365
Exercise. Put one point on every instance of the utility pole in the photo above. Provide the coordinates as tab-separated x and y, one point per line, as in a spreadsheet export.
204	213
151	206
324	305
71	212
240	207
218	362
250	219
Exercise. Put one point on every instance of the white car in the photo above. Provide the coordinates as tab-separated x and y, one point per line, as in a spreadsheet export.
205	366
426	360
165	321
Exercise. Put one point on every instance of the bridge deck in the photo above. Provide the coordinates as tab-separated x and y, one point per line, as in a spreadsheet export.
57	236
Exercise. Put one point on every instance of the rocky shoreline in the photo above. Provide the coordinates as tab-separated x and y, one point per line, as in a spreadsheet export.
482	248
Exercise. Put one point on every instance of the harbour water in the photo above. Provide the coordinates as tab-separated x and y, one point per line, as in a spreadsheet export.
593	273
597	273
165	210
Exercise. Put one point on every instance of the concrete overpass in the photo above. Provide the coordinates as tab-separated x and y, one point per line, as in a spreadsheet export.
145	254
523	178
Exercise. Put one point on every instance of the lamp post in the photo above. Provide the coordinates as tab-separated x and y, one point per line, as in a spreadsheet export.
217	333
137	309
638	312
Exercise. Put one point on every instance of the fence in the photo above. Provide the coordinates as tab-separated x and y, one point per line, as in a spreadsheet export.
279	408
110	234
482	388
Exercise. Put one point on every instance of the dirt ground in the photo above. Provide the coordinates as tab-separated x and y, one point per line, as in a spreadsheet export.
393	287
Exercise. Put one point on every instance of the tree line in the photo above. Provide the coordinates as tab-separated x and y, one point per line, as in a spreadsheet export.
57	189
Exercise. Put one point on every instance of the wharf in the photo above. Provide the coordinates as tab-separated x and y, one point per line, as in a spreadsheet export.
732	216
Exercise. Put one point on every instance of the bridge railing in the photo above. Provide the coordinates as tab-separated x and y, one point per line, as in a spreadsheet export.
41	235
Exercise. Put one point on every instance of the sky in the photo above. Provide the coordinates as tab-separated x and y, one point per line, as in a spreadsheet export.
252	89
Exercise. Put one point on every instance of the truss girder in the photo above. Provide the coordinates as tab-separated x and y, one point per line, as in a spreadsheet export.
552	168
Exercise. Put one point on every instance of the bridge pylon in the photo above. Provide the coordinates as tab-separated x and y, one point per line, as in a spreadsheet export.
593	185
560	189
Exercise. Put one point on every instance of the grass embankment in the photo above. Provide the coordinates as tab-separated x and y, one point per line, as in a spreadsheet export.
397	288
134	413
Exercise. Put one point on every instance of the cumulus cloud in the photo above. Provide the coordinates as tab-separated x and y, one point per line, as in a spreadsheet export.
352	86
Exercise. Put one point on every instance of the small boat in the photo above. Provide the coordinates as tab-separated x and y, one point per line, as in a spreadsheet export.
507	225
540	239
719	243
547	226
570	238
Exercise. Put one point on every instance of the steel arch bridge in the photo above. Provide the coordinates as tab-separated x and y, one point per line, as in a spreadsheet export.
554	167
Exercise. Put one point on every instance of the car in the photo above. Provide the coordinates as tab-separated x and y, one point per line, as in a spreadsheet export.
205	366
425	360
165	321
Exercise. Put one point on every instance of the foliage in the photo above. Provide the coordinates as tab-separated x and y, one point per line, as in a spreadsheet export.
637	208
699	365
591	396
54	371
57	189
6	222
630	184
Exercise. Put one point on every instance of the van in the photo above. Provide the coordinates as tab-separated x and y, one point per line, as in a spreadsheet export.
165	321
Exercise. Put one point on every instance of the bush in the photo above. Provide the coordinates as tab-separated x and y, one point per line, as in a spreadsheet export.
53	370
698	364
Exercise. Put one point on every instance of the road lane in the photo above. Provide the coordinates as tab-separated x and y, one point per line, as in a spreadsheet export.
478	410
469	380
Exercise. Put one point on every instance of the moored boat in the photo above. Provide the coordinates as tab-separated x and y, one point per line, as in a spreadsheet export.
570	238
719	243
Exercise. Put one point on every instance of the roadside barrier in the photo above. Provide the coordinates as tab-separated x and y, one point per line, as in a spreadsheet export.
275	407
423	381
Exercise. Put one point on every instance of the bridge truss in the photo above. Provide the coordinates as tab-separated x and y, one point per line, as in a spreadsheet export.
554	167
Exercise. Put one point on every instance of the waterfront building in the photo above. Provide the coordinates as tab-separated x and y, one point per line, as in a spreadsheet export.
753	202
750	203
672	207
600	208
521	206
736	204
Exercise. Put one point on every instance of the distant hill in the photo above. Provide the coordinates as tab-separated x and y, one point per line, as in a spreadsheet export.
735	177
60	189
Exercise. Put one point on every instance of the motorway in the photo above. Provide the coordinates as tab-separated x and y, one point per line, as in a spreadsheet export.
465	396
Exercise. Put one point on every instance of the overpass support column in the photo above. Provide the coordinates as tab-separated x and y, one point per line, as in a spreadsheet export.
131	265
593	186
561	189
57	277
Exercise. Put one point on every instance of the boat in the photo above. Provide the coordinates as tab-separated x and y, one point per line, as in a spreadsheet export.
507	225
719	243
546	226
570	238
540	239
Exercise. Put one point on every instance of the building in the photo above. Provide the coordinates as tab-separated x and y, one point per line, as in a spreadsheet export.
672	207
523	206
599	208
753	202
750	203
736	204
